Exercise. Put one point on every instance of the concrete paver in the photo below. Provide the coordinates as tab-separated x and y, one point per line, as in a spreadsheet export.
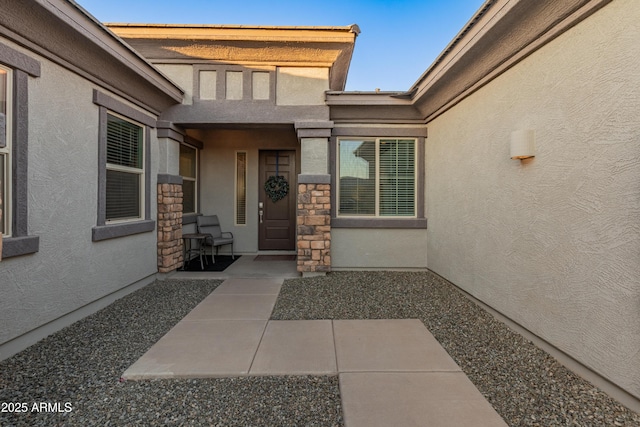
239	286
201	349
234	307
434	399
296	347
400	345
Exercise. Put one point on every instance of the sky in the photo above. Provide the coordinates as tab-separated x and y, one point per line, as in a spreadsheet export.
399	39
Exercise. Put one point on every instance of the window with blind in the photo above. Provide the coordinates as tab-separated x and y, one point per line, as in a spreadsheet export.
377	177
241	188
5	155
189	173
125	169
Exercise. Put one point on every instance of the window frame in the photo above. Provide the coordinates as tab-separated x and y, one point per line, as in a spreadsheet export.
22	67
193	179
236	188
377	186
130	170
5	152
104	230
354	131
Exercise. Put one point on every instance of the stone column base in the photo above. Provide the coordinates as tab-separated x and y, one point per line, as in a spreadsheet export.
170	256
314	228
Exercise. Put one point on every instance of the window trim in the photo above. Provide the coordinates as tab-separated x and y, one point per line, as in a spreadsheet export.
130	170
417	222
6	204
104	230
195	180
22	67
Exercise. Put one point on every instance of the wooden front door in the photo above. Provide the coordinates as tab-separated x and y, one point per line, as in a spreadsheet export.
277	221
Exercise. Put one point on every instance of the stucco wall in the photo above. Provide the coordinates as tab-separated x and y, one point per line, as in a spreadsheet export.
70	270
217	177
365	248
301	85
182	75
554	242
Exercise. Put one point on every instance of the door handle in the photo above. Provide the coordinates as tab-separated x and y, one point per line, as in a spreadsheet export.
260	214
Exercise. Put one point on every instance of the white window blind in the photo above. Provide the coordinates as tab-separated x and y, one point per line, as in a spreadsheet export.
377	177
397	177
124	169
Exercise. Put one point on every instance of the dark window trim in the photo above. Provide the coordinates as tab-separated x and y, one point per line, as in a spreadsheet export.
102	230
20	243
379	222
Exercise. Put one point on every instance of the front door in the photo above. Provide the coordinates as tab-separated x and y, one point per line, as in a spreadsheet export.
277	219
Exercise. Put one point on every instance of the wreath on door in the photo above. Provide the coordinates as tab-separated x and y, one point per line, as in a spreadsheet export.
276	185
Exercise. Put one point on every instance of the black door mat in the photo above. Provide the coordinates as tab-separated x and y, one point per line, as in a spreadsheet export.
222	262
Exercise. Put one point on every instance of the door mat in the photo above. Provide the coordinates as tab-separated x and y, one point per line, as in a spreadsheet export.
222	262
275	258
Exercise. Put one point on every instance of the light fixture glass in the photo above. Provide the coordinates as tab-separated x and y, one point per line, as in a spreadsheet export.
523	144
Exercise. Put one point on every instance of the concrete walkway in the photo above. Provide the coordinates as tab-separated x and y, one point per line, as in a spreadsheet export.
391	372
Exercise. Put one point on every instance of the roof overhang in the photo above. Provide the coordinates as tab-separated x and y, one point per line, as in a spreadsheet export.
501	34
330	47
63	32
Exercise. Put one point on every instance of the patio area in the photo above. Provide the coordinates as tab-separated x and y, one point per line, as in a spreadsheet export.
83	363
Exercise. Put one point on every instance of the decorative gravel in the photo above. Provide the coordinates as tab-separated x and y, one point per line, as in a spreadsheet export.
81	366
525	385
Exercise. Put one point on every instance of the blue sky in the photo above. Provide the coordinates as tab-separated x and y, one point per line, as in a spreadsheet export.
399	39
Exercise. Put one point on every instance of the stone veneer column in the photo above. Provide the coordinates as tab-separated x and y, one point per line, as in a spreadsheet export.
170	256
314	197
314	226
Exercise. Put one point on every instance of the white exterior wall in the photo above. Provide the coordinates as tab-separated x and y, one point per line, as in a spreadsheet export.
553	243
70	270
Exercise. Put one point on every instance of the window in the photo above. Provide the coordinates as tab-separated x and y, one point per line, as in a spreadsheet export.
16	72
377	177
125	169
189	173
124	183
5	154
241	188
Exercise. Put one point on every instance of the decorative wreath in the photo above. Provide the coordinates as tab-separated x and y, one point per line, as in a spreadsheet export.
276	187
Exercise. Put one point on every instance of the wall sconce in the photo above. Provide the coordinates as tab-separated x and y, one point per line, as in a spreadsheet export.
523	144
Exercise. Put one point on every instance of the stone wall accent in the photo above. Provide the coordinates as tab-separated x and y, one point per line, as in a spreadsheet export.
314	228
170	255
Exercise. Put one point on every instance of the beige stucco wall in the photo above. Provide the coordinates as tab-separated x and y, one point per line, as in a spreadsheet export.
553	243
217	177
366	248
301	85
70	270
182	75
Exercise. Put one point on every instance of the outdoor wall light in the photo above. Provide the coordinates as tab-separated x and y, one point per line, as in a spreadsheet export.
523	144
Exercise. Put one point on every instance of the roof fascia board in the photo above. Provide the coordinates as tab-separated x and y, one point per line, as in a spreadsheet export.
508	33
155	40
237	32
63	32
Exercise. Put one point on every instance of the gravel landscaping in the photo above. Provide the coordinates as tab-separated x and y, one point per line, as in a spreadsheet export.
81	366
525	385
